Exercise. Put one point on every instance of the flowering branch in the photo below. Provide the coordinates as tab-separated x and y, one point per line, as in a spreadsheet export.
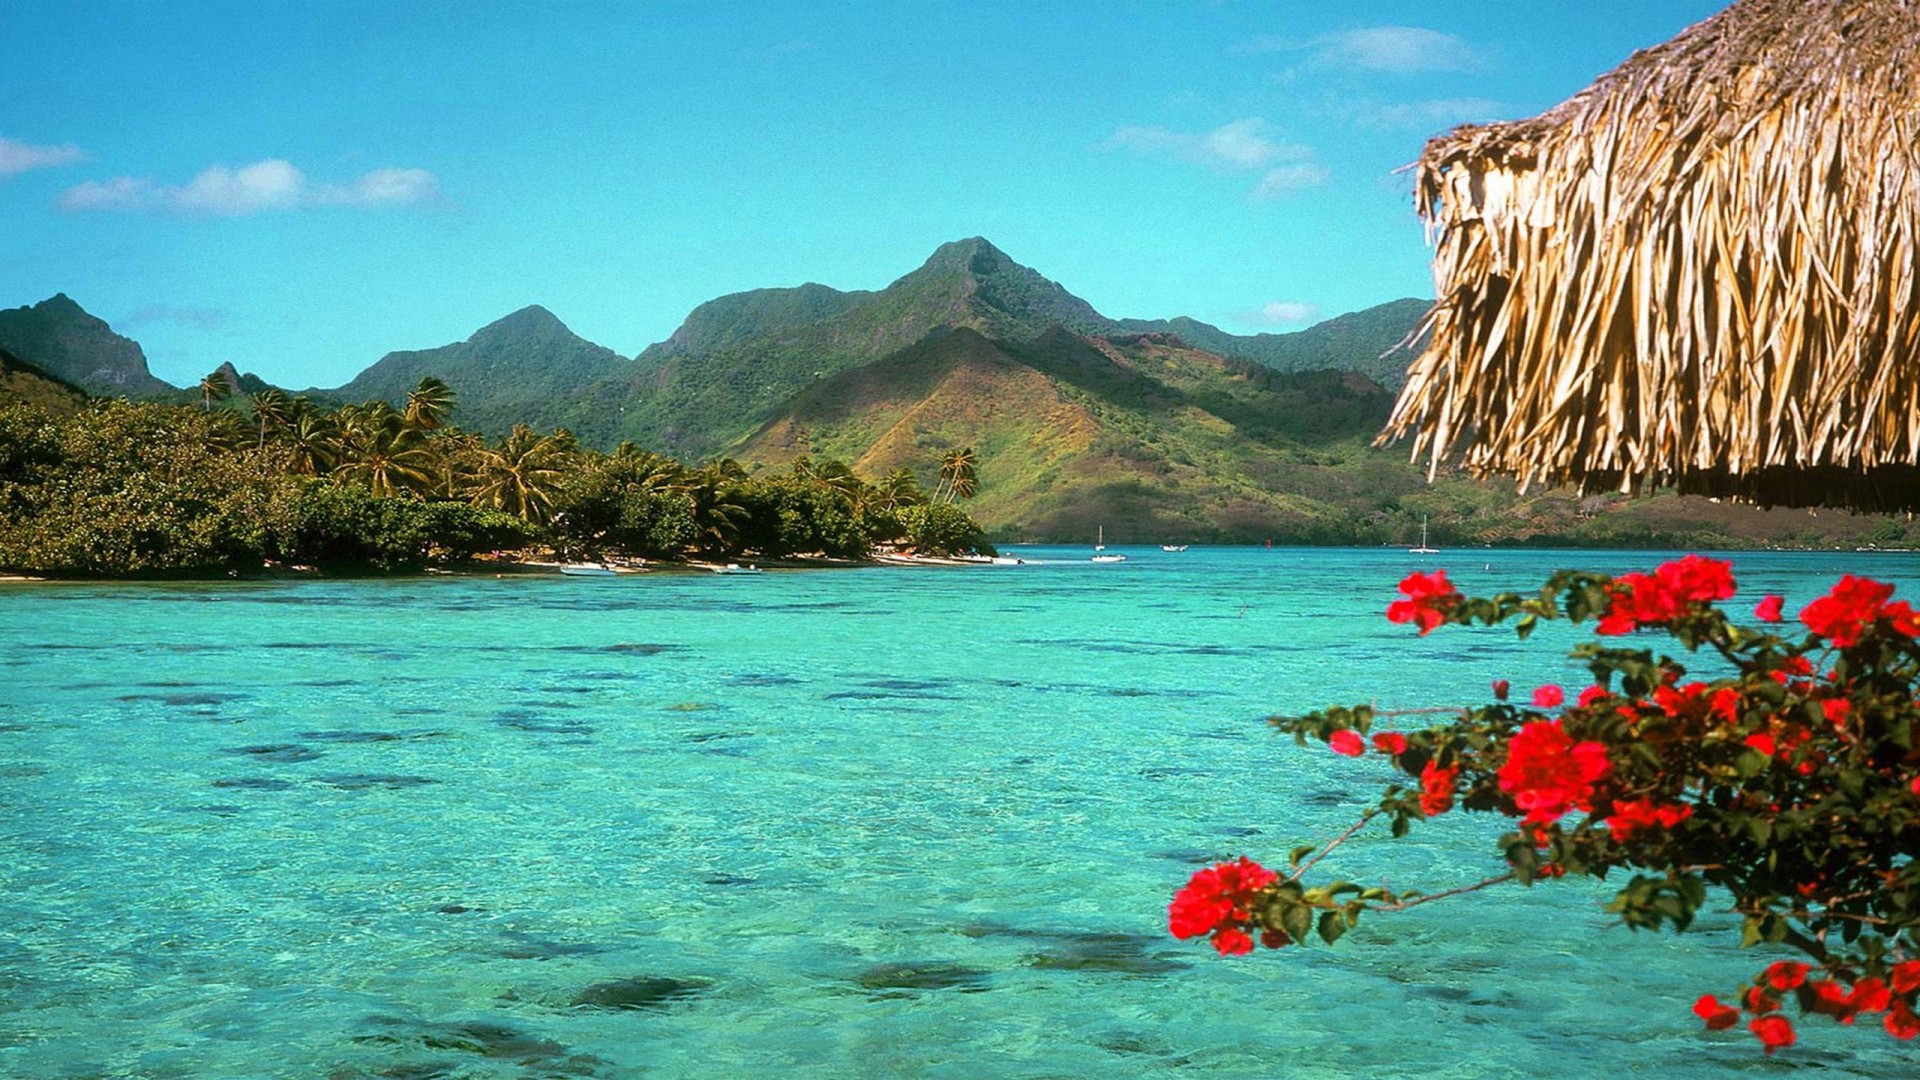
1792	783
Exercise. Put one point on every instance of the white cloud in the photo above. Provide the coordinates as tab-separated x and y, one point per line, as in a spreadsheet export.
273	184
1232	147
1288	179
120	193
1239	146
18	157
1399	49
1285	313
1431	115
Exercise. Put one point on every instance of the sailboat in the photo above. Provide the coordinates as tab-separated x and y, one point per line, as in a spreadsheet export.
1423	549
1100	546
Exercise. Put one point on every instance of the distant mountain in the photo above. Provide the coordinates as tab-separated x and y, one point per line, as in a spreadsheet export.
22	383
58	337
1368	341
737	360
243	384
1143	433
527	367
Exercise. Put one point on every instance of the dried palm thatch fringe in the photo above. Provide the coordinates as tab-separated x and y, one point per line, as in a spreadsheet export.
1703	270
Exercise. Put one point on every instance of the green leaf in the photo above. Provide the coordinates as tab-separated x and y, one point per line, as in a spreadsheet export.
1301	852
1297	921
1332	925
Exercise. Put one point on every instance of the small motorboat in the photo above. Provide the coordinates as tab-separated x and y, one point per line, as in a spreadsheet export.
1173	547
736	568
587	569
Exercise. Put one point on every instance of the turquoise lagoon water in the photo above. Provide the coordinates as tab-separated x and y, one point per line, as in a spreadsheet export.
876	822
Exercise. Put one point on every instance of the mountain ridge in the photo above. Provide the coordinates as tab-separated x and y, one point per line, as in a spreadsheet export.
495	384
64	340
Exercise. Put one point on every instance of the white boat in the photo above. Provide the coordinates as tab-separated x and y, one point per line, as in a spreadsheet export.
1423	549
587	569
1100	545
736	568
1173	547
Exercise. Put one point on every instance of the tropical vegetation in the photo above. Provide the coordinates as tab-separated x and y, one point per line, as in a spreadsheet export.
116	488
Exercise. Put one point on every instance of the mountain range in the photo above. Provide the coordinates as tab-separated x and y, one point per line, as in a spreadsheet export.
1160	430
59	338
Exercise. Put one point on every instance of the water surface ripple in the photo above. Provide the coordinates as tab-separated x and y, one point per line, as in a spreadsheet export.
875	822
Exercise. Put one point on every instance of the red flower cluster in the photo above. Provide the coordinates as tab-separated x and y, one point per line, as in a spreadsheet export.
1391	743
1633	815
1823	997
1548	774
1642	599
1436	788
1430	597
1549	696
1718	1017
1854	605
1217	901
1347	741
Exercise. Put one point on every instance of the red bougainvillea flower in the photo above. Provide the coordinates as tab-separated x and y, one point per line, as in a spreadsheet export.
1231	941
1636	814
1763	743
1774	1032
1217	897
1725	704
1869	996
1718	1017
1696	579
1757	1000
1637	600
1906	977
1549	696
1901	1023
1501	688
1429	598
1836	710
1592	694
1391	743
1548	774
1768	609
1436	789
1845	613
1347	742
1786	974
1829	998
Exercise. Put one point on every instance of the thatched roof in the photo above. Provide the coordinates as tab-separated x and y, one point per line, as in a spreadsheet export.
1703	270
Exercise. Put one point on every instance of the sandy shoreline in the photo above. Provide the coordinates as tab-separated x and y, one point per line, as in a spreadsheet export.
518	567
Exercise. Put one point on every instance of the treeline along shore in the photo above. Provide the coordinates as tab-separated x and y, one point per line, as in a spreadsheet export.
119	489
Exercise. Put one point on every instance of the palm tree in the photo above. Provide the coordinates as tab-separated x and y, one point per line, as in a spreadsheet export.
653	472
897	489
271	407
214	387
522	475
429	404
832	475
378	448
313	441
958	479
716	515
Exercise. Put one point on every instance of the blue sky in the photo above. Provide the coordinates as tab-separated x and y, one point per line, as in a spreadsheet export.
299	188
